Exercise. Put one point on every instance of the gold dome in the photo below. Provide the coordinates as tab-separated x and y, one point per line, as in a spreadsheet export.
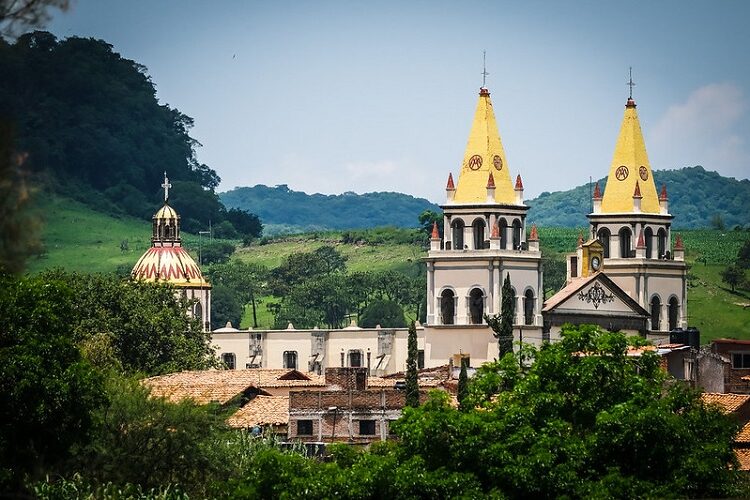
166	212
169	264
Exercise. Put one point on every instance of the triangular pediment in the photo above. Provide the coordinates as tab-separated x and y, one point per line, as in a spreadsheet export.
595	295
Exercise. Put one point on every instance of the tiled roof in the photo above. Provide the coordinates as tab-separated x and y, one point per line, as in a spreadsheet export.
220	386
729	403
378	382
744	435
743	457
262	410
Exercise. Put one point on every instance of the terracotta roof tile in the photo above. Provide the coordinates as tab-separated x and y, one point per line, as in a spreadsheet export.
744	435
729	403
743	457
262	410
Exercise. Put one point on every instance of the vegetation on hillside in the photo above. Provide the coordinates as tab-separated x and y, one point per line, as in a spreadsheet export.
698	199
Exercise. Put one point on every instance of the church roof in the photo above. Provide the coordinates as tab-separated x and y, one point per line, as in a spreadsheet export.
484	154
576	285
630	166
165	212
169	264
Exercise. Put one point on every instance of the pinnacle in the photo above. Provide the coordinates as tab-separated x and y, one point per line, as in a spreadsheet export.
450	186
519	182
491	182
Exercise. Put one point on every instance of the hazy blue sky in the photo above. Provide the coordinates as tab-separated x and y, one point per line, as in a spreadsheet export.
372	96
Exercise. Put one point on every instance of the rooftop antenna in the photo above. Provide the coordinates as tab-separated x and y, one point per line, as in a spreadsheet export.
484	68
166	187
631	83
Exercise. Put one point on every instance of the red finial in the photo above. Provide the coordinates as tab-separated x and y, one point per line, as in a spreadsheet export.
491	182
678	243
435	232
495	231
534	236
450	186
580	239
663	194
597	192
519	184
637	192
641	240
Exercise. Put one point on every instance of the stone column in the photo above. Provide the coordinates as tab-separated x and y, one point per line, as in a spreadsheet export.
519	310
431	293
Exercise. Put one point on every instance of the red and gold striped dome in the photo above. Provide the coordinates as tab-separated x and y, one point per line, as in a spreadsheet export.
169	264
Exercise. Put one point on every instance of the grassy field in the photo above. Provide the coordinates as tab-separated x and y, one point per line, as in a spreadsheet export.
77	238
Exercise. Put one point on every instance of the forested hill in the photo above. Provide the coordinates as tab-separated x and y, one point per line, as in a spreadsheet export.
697	198
94	130
295	210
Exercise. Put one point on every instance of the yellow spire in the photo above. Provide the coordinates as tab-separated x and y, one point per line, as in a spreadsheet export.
484	155
629	167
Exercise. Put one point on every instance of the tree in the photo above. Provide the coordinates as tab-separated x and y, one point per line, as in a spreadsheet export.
733	275
248	282
47	390
215	252
426	221
412	382
463	387
585	419
15	15
743	255
553	267
225	307
385	313
502	324
330	259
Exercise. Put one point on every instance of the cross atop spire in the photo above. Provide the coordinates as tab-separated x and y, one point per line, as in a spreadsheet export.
484	69
631	83
166	185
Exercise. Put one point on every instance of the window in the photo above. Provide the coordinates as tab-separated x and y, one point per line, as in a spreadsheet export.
573	266
625	245
290	360
655	313
366	427
420	359
740	360
355	359
447	307
516	234
458	235
603	236
661	243
503	226
304	427
528	307
673	310
198	311
476	306
648	234
478	231
229	360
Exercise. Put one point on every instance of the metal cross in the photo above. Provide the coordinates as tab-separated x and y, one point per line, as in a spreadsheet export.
631	83
166	187
484	68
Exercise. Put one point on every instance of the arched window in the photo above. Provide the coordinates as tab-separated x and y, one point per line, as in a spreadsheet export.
503	226
656	313
625	242
674	306
516	234
458	234
290	360
603	236
648	234
476	306
447	307
355	358
528	307
229	360
478	231
198	311
661	243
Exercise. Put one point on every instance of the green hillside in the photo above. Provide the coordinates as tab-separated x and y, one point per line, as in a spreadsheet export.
729	199
284	210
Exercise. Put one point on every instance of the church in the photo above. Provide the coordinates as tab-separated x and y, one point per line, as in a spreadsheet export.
626	274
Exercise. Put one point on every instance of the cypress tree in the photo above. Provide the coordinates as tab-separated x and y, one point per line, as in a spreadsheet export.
412	385
502	324
463	387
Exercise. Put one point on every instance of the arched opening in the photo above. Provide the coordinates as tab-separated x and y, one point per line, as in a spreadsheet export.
648	234
656	313
625	242
503	226
528	307
198	310
603	236
229	360
447	307
478	231
661	243
674	306
290	360
355	358
476	306
516	234
458	234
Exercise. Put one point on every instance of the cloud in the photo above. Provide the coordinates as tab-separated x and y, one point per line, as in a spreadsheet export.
704	130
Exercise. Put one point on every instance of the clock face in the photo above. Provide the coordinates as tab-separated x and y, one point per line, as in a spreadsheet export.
595	263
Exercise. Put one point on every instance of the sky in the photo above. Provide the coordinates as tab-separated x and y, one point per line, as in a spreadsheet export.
335	96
